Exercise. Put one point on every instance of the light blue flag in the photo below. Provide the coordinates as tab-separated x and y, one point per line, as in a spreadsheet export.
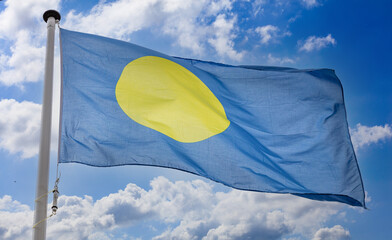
266	129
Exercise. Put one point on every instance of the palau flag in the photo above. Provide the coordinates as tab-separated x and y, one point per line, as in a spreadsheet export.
265	129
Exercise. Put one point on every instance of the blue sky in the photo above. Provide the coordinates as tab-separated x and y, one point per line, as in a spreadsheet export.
133	202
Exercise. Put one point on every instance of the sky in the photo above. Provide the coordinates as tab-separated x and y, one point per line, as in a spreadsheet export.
137	202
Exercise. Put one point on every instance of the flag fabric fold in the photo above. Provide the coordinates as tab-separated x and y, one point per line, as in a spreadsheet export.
266	129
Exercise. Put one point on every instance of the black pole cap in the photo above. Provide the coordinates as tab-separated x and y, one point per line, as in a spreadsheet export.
51	13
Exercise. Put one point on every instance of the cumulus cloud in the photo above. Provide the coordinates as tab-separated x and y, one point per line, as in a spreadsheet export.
337	232
20	127
280	61
104	18
363	135
25	64
190	210
24	15
194	25
267	33
223	39
25	36
15	219
316	43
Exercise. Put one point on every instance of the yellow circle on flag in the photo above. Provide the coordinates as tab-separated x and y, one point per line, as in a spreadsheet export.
163	95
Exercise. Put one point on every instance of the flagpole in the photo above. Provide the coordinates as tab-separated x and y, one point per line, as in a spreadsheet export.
41	199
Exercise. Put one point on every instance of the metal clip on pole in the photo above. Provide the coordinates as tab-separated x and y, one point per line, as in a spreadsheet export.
55	197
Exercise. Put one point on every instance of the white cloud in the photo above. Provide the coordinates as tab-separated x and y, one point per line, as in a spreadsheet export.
368	198
267	33
280	61
337	232
293	19
191	210
15	219
223	39
6	203
363	135
257	7
20	126
23	30
116	19
193	24
24	15
310	3
25	64
316	43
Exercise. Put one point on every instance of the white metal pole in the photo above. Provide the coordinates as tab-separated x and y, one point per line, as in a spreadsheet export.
41	201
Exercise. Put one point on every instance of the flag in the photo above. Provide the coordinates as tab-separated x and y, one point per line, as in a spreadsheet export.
265	129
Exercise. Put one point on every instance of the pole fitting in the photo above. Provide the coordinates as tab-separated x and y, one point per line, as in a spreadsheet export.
51	13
